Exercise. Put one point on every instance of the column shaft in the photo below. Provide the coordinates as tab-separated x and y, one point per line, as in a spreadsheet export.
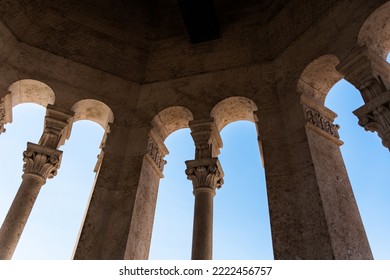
18	214
202	242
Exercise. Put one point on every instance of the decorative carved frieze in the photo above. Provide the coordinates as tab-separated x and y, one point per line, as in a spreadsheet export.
155	154
205	173
375	116
42	161
321	121
57	127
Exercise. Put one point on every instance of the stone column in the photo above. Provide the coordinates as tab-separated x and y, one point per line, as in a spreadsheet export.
41	162
370	74
206	175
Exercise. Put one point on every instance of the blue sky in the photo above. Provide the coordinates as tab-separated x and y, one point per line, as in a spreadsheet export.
241	222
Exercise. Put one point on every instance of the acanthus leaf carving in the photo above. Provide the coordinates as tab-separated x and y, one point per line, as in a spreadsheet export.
205	173
376	119
42	161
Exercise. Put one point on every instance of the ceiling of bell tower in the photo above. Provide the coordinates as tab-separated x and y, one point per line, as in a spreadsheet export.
148	40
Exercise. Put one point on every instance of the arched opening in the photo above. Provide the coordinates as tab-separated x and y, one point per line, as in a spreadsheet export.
242	225
318	78
241	219
28	122
165	123
172	228
323	91
31	91
23	91
367	164
55	220
242	222
93	110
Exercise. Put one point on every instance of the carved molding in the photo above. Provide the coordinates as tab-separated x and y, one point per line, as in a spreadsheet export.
5	110
321	121
42	161
375	116
156	154
205	173
57	127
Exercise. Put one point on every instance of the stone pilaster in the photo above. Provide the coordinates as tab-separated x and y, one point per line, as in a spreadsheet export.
156	151
140	233
101	154
5	110
370	74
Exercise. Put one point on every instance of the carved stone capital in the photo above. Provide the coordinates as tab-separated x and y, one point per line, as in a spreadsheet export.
57	129
206	138
41	161
375	116
205	173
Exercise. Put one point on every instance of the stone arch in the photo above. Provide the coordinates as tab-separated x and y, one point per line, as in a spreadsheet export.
31	91
375	31
93	110
233	109
96	111
163	124
319	77
171	119
23	91
313	85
